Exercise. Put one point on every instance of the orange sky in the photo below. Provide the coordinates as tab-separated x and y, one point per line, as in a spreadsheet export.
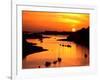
44	21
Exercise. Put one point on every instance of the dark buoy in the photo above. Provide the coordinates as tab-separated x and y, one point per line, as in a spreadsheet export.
54	62
59	59
39	67
68	45
47	64
85	55
62	45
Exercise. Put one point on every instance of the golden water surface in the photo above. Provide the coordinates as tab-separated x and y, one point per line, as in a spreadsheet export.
70	56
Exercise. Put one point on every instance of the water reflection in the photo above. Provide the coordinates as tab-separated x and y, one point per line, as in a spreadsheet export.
59	54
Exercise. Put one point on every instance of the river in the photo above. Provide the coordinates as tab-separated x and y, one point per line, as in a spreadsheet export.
70	53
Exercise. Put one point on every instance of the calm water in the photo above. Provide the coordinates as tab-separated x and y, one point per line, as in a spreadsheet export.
76	55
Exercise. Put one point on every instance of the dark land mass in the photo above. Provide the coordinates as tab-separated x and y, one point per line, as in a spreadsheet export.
56	33
80	37
33	36
39	35
30	48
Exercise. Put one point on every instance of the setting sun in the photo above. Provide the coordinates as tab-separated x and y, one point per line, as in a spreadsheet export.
53	21
55	39
73	29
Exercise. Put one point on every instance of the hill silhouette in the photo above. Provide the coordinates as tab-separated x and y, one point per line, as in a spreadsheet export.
80	37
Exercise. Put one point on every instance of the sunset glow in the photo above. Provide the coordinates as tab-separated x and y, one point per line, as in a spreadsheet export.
55	39
73	29
53	21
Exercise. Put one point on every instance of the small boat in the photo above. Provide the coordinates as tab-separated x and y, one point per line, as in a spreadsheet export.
68	45
59	59
60	44
39	66
63	45
85	55
47	64
54	62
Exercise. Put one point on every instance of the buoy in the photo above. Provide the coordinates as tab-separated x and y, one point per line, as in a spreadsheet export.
59	59
47	64
54	62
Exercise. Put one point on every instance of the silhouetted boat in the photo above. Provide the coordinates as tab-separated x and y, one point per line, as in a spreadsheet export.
54	62
47	64
85	55
39	66
60	44
63	45
59	59
68	45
